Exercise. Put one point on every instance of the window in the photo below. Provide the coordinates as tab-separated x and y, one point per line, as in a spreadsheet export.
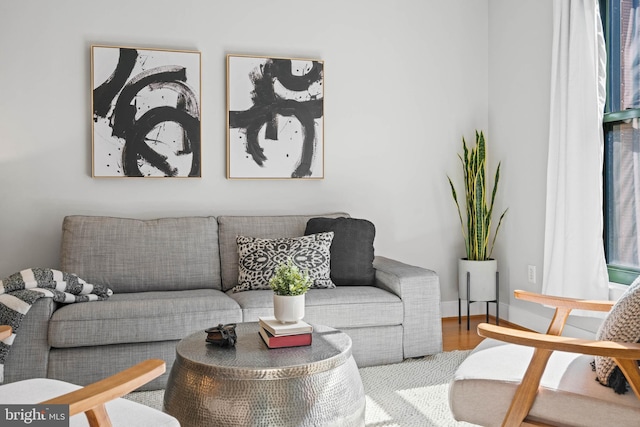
621	19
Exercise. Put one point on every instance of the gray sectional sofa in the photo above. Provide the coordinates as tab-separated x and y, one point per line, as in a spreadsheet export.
173	276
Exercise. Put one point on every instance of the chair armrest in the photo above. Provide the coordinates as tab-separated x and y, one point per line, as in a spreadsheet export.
110	388
613	349
5	331
419	290
572	303
563	307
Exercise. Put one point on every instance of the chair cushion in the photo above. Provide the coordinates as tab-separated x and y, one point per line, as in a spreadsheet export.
341	307
352	251
622	325
485	383
259	258
141	317
265	227
122	412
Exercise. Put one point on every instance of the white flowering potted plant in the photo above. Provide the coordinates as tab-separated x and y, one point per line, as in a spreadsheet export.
289	284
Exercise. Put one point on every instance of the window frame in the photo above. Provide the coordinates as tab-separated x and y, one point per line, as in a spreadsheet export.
610	12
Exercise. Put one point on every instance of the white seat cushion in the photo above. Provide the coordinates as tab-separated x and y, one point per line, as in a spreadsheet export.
485	383
122	412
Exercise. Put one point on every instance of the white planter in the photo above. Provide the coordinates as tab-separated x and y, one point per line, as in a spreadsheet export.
483	279
287	308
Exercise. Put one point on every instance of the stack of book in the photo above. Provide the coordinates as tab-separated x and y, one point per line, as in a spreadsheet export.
277	334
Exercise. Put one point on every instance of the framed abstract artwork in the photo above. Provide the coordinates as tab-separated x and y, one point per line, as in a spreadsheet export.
275	117
146	112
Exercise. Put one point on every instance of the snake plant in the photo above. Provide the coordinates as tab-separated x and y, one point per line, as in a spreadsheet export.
477	229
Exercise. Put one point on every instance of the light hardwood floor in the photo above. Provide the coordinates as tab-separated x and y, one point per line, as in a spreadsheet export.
456	337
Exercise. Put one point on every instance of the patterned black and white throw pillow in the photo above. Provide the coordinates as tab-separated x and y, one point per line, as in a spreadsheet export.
258	259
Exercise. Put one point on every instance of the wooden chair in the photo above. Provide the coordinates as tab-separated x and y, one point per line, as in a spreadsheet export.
94	400
544	379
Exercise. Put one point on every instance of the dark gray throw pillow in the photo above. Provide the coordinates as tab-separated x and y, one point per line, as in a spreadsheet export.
352	250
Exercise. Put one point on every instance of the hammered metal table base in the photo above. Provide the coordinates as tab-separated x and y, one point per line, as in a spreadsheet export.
251	385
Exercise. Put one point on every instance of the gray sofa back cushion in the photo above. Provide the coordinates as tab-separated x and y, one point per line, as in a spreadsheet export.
131	255
265	227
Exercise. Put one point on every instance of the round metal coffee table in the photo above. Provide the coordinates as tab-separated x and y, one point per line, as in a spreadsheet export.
252	385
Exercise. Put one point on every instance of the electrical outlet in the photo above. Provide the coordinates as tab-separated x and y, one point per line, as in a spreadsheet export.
531	273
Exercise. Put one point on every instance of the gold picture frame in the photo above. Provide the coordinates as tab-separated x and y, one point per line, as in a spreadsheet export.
146	112
275	117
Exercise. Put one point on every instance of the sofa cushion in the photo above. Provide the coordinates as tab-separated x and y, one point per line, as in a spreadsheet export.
131	255
352	251
484	385
341	307
621	324
141	317
265	227
259	258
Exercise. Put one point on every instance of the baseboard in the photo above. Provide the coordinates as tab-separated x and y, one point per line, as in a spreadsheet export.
525	318
514	315
450	309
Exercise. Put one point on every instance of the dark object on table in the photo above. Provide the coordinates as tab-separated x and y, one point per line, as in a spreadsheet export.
222	335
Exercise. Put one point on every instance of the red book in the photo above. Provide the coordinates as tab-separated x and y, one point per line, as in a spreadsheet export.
285	340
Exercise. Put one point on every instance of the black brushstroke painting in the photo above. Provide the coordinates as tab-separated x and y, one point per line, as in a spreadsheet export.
268	105
117	99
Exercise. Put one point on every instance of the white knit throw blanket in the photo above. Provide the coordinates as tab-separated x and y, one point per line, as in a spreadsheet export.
20	291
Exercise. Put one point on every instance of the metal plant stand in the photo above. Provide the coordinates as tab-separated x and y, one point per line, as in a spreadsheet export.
469	301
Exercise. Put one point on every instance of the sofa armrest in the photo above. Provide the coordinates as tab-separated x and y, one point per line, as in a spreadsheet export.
419	290
28	356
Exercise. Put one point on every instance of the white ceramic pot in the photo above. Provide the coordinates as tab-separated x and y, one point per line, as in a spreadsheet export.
483	279
288	308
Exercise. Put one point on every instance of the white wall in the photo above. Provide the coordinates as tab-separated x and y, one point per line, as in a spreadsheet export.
404	81
519	93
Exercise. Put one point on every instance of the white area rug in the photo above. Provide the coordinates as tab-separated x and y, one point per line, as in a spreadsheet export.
411	393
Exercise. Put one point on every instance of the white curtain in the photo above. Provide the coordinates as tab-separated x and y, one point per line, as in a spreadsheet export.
574	262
